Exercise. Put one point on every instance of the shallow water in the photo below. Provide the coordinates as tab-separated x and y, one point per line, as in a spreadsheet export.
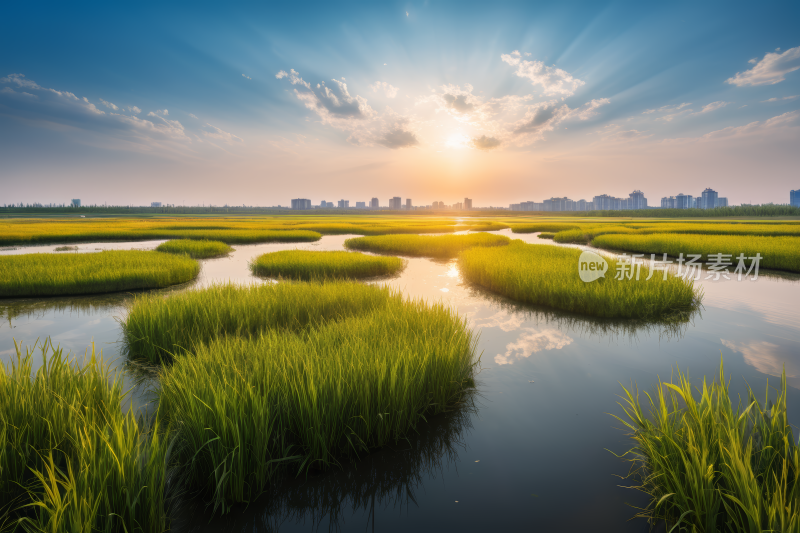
532	453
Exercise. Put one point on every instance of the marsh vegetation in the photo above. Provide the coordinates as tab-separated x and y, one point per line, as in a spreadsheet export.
195	249
440	246
308	265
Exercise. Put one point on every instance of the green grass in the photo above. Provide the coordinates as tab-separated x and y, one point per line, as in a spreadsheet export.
548	275
709	465
71	454
781	253
301	373
195	249
307	265
65	248
541	226
443	247
92	273
546	235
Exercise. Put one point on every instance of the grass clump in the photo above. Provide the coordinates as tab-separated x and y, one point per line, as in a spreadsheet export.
65	248
92	273
70	458
547	235
307	265
781	253
195	249
440	246
314	372
548	275
711	466
536	227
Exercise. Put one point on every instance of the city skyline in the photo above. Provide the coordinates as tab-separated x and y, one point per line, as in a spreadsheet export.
436	100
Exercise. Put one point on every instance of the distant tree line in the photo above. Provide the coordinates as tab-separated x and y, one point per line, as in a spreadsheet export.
766	210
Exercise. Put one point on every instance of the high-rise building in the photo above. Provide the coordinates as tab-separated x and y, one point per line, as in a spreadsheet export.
408	204
361	205
467	203
395	202
708	199
301	203
323	204
794	198
155	204
722	201
458	206
344	204
374	204
437	205
683	201
636	200
76	202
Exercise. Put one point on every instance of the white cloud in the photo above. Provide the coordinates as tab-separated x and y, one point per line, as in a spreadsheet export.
713	106
766	357
753	128
782	99
387	88
246	76
294	77
531	342
485	143
613	133
20	81
133	109
214	132
589	109
553	81
109	105
772	69
193	116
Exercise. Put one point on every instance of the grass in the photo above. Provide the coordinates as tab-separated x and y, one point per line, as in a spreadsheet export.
709	465
443	247
91	273
541	226
65	248
548	275
781	253
70	458
195	249
307	265
547	235
301	373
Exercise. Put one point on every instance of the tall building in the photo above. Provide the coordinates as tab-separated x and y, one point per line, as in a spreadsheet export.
683	201
467	203
794	198
76	202
374	204
408	204
708	199
395	202
458	206
155	204
437	205
636	200
323	204
722	201
344	204
361	205
301	203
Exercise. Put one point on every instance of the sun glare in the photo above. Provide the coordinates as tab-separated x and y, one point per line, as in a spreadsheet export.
458	141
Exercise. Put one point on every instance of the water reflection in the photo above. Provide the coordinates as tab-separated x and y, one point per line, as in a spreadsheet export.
350	497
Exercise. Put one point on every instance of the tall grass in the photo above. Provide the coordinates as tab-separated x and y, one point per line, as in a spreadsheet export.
307	265
92	273
711	466
444	246
781	253
548	275
195	249
542	226
70	458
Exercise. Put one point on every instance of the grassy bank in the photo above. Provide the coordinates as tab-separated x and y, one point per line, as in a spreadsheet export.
299	373
444	246
306	265
781	253
536	227
195	249
91	273
70	453
711	466
548	275
547	235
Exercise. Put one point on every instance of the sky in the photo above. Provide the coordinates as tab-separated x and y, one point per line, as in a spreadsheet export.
258	103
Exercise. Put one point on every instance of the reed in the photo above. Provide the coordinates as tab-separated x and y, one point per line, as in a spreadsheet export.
443	247
92	273
307	265
542	226
195	249
547	235
70	458
548	275
781	253
710	466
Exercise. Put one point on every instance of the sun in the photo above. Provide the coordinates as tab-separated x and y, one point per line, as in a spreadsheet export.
459	141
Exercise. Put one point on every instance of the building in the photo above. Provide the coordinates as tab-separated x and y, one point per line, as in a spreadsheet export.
301	203
408	204
76	202
794	198
636	200
683	201
458	206
344	204
155	204
361	205
395	202
722	201
467	203
374	204
708	199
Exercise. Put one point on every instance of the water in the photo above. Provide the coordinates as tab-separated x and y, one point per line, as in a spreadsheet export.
532	452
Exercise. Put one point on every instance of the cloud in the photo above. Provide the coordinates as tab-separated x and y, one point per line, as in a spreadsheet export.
20	81
753	128
713	106
782	99
553	81
133	109
388	90
294	77
772	69
109	105
246	76
398	138
613	133
458	103
765	357
193	116
485	143
214	132
531	342
541	118
589	109
158	113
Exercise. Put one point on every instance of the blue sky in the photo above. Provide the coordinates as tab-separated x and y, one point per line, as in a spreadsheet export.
260	103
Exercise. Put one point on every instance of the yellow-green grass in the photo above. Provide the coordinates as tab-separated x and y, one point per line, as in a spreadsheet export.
195	249
91	273
70	458
780	253
542	226
710	465
65	248
442	246
546	235
548	275
311	373
308	265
